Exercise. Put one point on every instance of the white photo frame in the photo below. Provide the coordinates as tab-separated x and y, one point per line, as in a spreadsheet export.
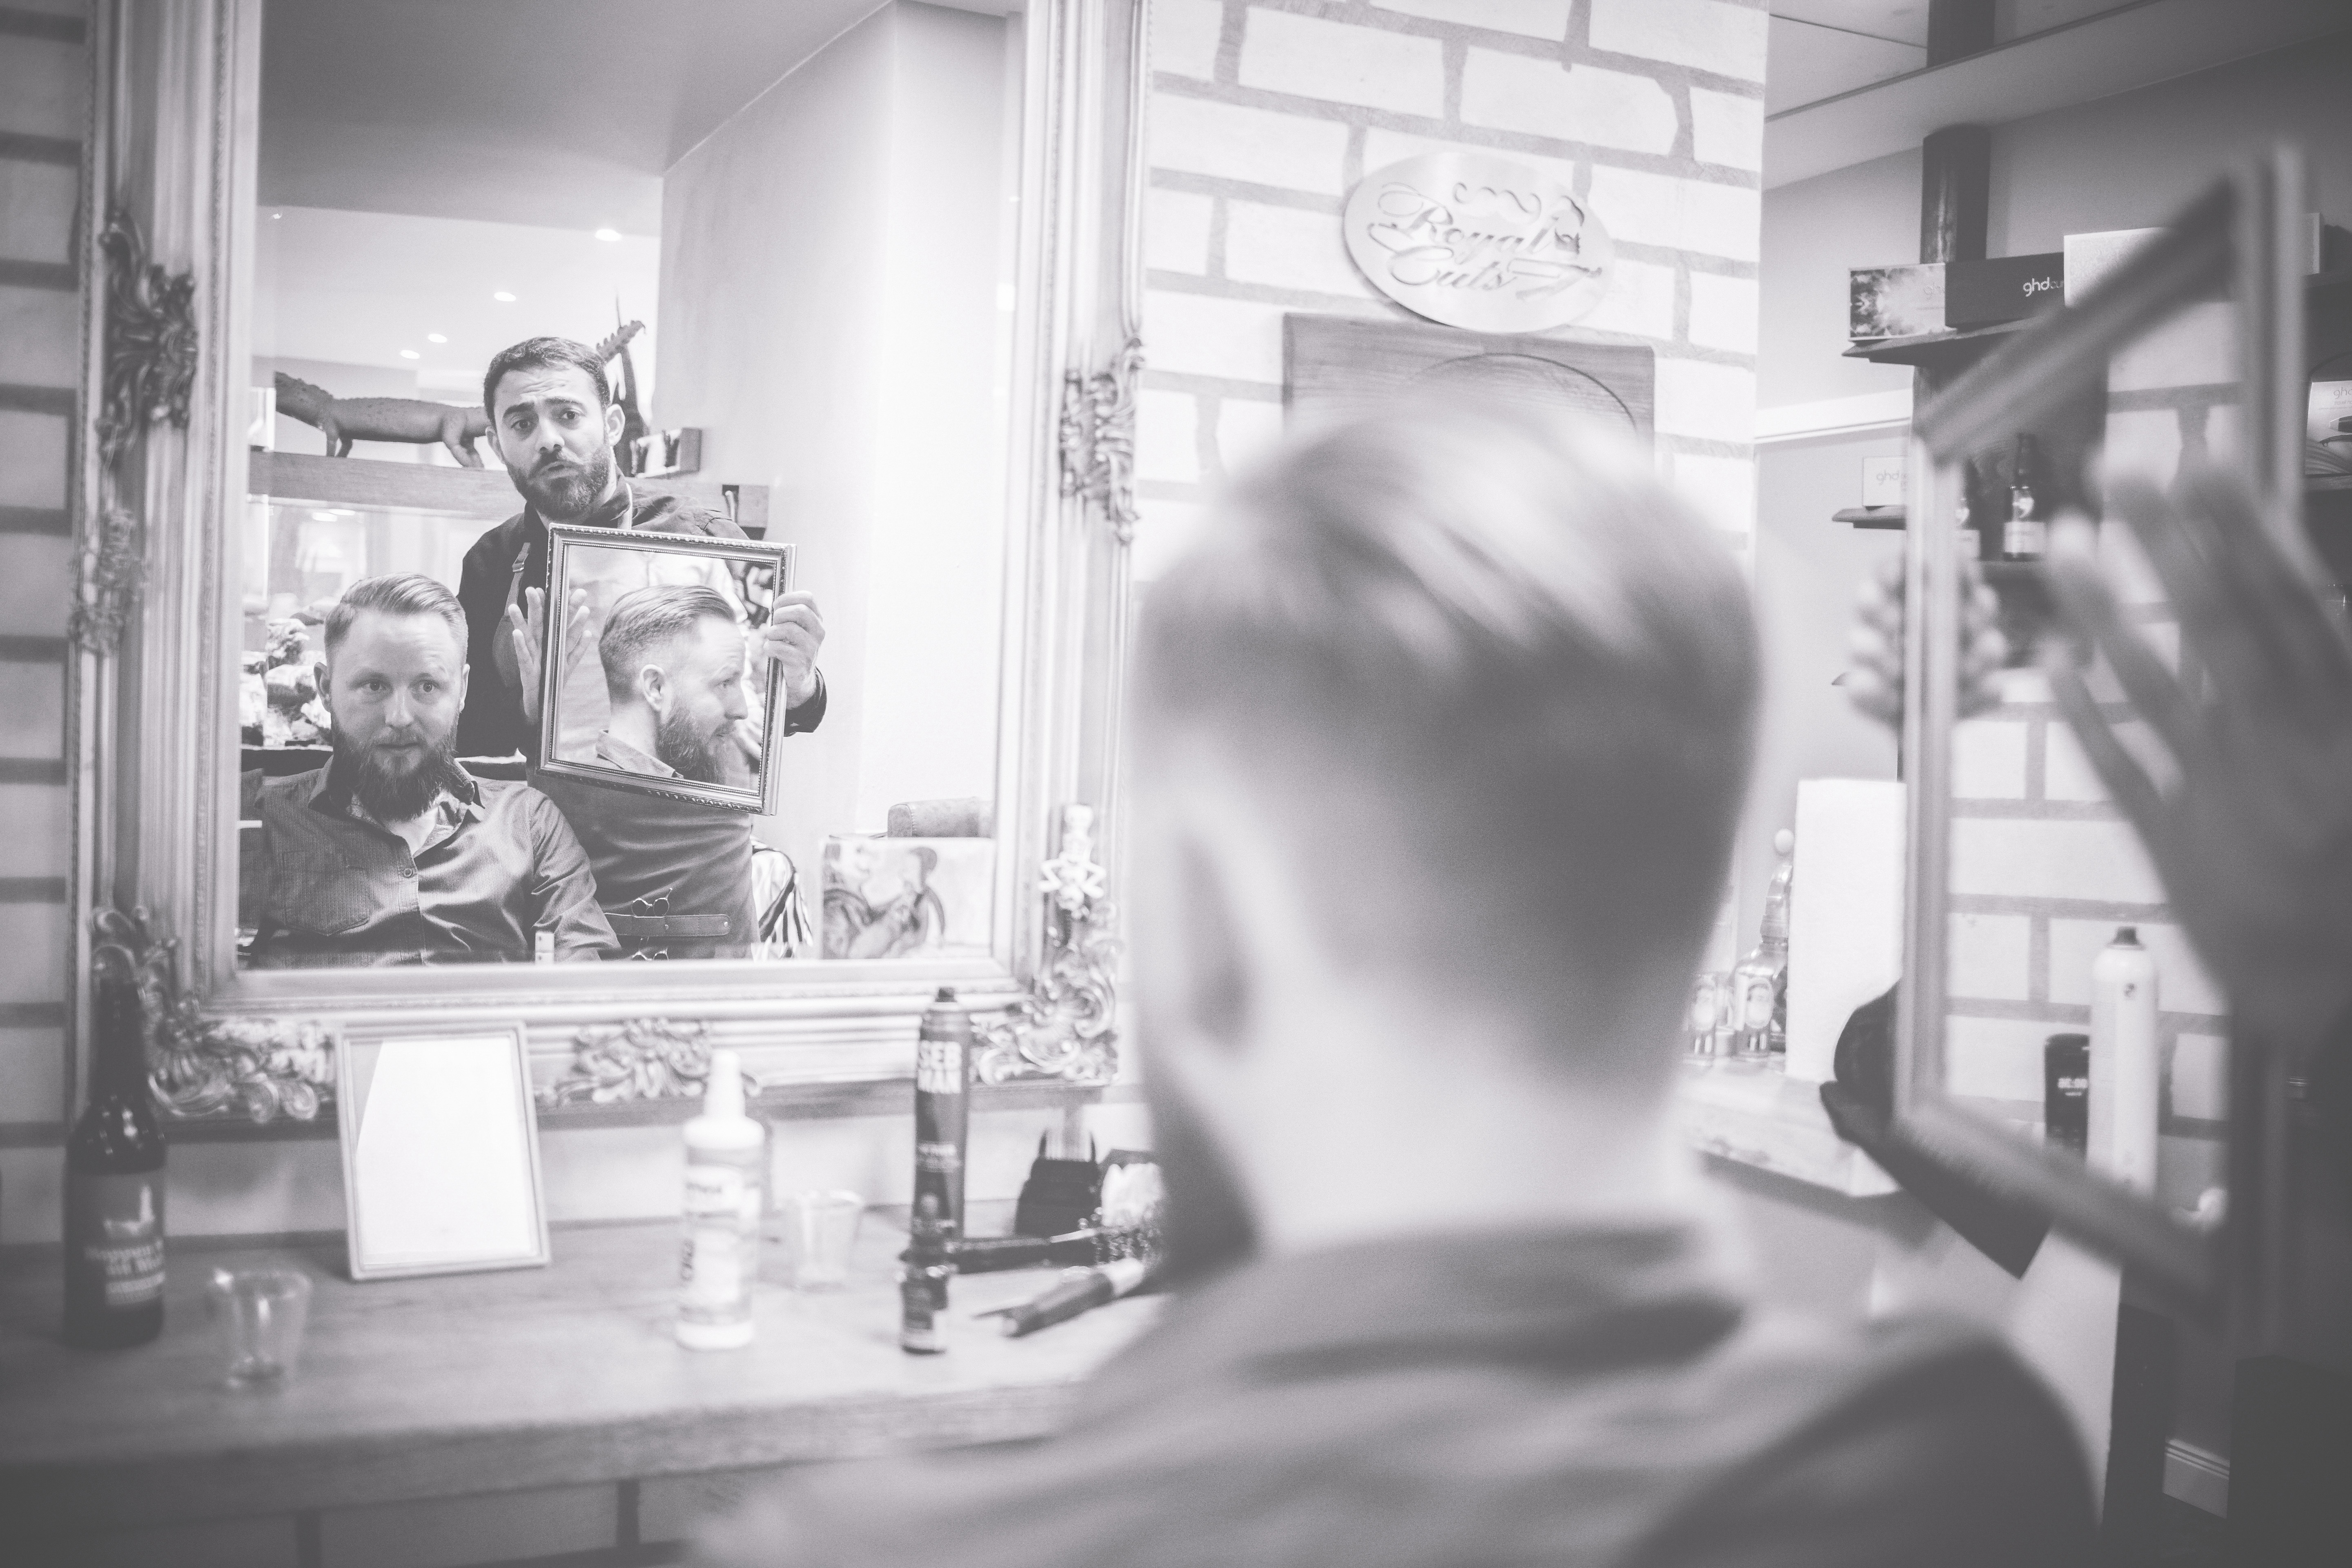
440	1150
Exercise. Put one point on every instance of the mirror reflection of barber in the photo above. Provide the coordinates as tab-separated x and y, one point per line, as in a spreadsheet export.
553	424
675	878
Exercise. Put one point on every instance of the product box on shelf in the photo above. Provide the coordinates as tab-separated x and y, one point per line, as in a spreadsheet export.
1894	302
2005	288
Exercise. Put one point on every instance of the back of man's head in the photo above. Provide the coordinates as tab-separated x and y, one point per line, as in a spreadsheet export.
1495	690
645	621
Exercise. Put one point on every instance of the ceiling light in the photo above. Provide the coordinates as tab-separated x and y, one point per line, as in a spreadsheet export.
275	216
608	234
409	353
503	298
436	337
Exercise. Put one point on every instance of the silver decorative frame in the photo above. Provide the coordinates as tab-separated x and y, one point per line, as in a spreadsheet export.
174	132
2242	237
562	539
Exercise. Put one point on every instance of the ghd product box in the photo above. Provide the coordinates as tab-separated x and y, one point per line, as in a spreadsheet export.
2005	288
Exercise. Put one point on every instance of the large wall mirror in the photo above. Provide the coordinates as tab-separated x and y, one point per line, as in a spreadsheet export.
786	301
2058	1039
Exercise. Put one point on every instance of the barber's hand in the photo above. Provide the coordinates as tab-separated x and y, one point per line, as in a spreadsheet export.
527	622
1875	681
2255	840
794	635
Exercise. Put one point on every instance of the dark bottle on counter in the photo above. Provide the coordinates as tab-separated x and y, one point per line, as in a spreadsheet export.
943	1107
2026	536
2066	1092
923	1282
114	1180
1967	517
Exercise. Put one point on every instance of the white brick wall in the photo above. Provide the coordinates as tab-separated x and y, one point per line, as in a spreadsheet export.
1266	112
1315	58
1705	34
1568	103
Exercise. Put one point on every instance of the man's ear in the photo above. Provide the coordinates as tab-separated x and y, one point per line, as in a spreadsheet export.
321	674
653	685
615	421
464	671
1214	985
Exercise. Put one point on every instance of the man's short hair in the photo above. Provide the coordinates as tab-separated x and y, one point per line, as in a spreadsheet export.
397	594
544	354
647	618
1494	686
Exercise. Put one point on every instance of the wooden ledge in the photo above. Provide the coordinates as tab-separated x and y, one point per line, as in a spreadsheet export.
1753	1114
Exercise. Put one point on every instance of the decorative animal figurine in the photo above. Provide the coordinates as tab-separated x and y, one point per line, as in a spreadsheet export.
344	420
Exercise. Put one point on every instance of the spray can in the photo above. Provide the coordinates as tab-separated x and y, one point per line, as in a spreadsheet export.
725	1152
943	1111
2123	1061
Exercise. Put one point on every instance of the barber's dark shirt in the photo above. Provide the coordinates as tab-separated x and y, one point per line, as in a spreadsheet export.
673	876
321	885
492	724
1552	1399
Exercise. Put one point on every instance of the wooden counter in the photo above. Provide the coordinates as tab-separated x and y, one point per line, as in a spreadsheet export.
491	1382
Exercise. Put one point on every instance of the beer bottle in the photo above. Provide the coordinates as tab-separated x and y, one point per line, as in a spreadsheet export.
114	1179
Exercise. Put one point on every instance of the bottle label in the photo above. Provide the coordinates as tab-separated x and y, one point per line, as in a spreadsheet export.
114	1230
711	1282
715	1192
944	1158
2025	538
1756	999
939	1067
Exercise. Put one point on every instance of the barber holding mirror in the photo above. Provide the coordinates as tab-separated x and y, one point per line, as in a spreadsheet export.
674	877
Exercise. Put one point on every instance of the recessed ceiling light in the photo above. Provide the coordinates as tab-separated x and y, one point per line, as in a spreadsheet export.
409	353
608	234
503	298
436	337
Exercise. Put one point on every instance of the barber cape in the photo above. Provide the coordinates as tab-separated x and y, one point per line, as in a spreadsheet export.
1505	1400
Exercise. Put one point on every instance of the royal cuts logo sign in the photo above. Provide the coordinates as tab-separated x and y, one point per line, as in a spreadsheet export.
1478	242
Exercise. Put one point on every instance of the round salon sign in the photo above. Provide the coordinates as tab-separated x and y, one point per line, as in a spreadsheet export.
1478	242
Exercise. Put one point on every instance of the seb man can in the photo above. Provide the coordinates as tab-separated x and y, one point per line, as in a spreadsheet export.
943	1111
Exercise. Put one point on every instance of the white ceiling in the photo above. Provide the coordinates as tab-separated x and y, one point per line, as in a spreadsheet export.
1840	90
1820	48
559	113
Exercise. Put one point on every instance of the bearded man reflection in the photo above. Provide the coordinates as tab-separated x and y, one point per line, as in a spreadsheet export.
672	661
675	876
393	853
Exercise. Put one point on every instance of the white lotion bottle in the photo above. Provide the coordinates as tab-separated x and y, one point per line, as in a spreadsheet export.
726	1152
2124	1065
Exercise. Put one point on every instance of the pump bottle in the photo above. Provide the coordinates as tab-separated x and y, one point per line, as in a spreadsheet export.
724	1158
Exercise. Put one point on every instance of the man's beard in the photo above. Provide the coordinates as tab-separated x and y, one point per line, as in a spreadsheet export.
691	750
562	489
391	796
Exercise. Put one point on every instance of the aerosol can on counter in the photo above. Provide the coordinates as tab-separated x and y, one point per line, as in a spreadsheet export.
726	1159
2124	1066
942	1111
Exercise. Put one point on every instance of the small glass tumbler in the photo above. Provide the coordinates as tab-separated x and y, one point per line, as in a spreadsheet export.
263	1312
819	1230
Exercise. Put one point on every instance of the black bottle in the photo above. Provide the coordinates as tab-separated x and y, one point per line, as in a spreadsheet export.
114	1180
2026	536
923	1282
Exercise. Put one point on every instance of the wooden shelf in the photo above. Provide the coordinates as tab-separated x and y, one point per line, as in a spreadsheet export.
1872	516
1937	348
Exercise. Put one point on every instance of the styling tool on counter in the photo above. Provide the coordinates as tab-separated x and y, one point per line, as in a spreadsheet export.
942	1111
1060	1196
1081	1290
725	1155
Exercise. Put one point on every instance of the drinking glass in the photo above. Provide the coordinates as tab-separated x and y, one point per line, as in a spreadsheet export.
263	1312
819	1230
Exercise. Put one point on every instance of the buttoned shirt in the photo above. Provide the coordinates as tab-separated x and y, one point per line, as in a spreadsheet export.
1571	1398
323	884
614	753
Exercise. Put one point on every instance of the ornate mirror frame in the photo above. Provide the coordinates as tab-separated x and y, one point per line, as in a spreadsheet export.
160	486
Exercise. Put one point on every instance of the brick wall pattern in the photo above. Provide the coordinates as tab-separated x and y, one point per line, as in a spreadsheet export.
1264	113
44	98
